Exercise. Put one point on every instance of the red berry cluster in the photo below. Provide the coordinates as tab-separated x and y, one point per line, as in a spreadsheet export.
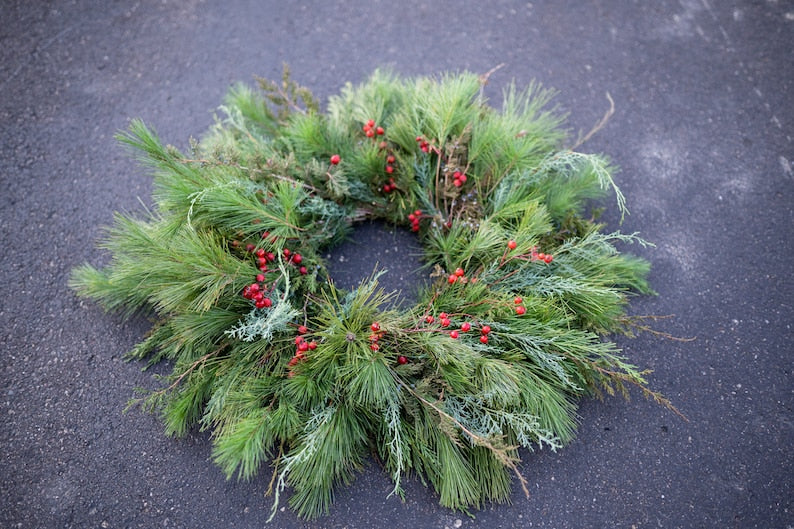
423	144
485	330
371	130
375	336
295	259
534	255
458	179
545	257
459	276
445	322
520	308
390	186
301	347
415	218
256	291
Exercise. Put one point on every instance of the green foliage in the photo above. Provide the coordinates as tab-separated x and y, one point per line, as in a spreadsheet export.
260	188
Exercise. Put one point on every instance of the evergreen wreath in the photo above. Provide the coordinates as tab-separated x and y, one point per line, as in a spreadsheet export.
280	364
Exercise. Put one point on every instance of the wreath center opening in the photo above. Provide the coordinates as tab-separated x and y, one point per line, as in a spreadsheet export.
376	246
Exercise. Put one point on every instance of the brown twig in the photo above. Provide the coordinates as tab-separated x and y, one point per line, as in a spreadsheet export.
189	370
631	321
598	126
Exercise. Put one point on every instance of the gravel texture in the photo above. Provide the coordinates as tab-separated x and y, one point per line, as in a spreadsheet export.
703	134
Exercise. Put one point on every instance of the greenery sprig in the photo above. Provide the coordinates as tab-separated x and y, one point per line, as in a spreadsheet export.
280	364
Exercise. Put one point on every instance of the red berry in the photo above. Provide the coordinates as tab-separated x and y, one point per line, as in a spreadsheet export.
254	287
335	159
512	244
247	292
411	217
370	133
286	252
263	268
445	322
371	123
304	346
453	334
389	169
382	145
402	360
249	247
271	256
374	346
485	329
459	272
415	227
303	270
260	277
484	339
312	345
452	278
260	252
380	131
419	138
387	188
457	183
390	159
302	329
542	256
443	315
258	296
520	310
548	258
297	258
518	300
267	302
298	340
375	326
465	327
462	178
429	319
418	212
456	175
366	128
260	304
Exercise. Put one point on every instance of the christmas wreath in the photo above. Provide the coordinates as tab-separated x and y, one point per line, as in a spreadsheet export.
282	365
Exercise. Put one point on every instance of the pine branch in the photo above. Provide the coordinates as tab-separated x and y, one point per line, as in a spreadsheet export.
500	452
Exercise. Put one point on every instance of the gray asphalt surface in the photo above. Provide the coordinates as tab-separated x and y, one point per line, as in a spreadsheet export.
703	134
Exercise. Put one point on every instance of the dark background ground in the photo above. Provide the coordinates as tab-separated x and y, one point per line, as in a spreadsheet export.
703	133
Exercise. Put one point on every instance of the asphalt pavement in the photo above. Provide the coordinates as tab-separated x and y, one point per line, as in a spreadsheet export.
703	135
